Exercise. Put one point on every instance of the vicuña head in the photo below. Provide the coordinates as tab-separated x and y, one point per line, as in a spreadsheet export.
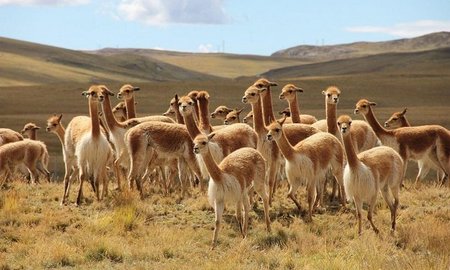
95	93
186	105
332	94
248	118
201	143
232	116
263	82
344	123
275	130
289	91
53	122
221	112
29	128
127	92
251	95
395	121
363	105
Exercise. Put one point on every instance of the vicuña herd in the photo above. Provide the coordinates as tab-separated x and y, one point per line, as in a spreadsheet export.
234	160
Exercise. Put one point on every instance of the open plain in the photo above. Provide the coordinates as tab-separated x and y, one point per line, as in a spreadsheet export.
170	232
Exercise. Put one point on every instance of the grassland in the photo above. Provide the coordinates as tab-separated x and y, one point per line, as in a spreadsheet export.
168	232
162	232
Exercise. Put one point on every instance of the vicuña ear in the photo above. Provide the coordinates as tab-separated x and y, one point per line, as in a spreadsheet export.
136	88
281	122
107	91
262	89
210	136
36	127
273	83
240	111
372	104
298	89
59	117
323	93
85	93
404	111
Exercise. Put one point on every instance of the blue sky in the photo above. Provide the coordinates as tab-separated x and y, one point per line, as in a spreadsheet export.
234	26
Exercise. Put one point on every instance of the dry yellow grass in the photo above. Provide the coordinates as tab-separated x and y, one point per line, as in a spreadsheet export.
167	232
227	66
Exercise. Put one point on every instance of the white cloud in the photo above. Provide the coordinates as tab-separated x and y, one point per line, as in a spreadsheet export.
205	48
43	2
161	12
405	30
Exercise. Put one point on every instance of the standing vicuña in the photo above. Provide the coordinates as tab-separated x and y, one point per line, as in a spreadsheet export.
231	180
415	143
32	154
87	140
308	161
398	120
365	174
55	126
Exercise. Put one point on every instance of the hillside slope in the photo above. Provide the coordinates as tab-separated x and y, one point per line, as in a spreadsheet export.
358	49
428	63
25	63
216	64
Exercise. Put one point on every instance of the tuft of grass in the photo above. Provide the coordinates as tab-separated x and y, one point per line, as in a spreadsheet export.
168	254
125	218
10	202
278	239
428	235
102	252
125	197
121	219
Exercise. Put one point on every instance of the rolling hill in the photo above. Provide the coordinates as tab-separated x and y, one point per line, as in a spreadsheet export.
25	63
427	63
216	64
358	49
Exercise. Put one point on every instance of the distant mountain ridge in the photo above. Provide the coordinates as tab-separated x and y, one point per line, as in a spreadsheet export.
344	51
433	63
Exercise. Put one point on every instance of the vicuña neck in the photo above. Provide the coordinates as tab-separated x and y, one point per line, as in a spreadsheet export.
352	158
131	109
373	122
267	107
60	132
404	122
111	121
258	122
331	118
33	135
95	122
191	126
211	166
285	147
295	111
203	122
197	111
180	119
